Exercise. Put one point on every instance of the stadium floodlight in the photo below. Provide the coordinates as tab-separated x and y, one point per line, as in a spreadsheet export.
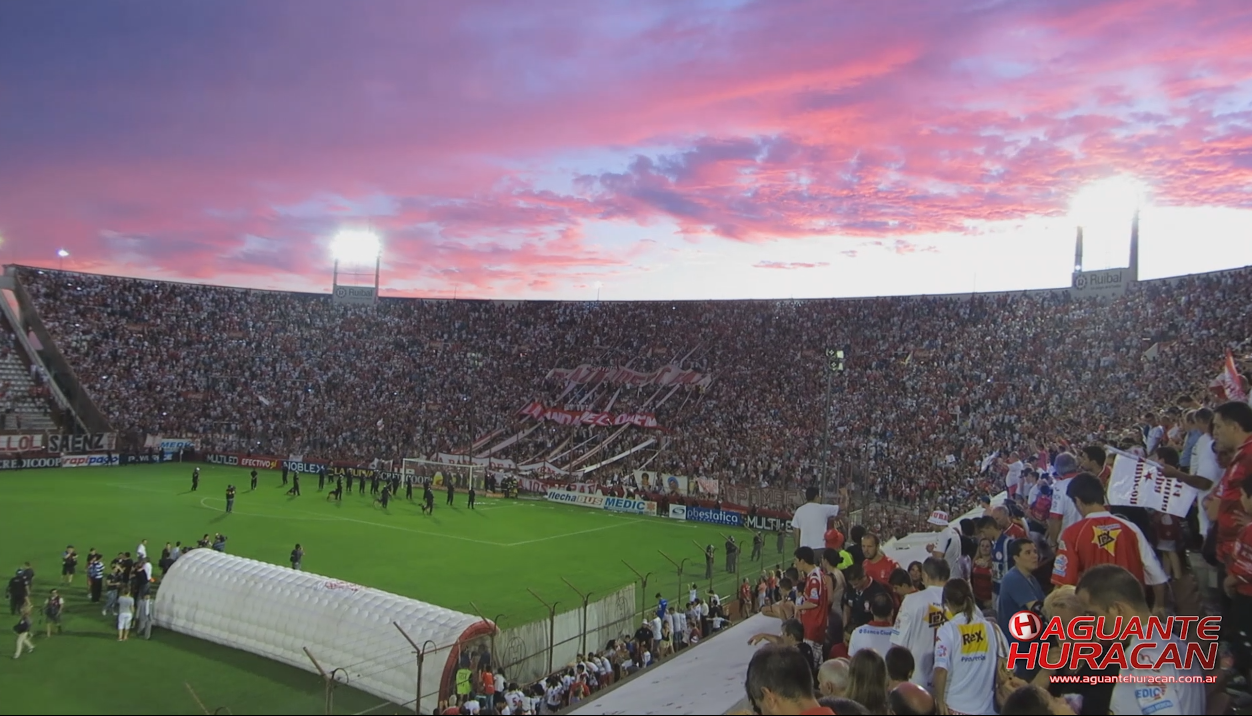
62	253
1114	200
356	247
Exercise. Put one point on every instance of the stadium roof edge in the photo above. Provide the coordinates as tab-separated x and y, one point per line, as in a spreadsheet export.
391	299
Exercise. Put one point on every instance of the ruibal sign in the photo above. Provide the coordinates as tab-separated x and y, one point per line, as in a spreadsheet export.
1112	282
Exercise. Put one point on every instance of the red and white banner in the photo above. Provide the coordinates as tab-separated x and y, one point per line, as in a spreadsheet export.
669	375
707	485
1139	483
537	411
20	443
1228	385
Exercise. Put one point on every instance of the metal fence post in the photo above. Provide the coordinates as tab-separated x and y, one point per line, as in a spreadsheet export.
551	625
586	598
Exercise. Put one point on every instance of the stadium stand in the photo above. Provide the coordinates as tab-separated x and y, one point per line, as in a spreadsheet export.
25	405
932	384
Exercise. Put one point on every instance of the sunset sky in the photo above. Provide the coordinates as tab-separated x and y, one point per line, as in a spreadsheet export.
638	150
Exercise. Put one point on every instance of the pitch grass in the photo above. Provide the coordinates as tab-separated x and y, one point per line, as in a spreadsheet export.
488	557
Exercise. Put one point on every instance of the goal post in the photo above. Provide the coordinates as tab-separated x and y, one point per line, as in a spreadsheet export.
439	474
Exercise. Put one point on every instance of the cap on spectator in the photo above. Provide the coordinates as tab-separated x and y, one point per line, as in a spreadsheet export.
1065	464
834	538
938	518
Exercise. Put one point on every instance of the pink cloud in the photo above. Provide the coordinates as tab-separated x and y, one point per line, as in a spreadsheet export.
485	145
789	264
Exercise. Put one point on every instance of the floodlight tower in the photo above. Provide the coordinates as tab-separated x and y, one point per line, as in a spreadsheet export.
356	249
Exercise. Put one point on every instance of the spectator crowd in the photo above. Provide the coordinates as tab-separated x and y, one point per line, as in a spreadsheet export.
943	402
931	385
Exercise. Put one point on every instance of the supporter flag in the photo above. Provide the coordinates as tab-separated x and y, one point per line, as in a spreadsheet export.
264	400
1139	483
986	462
1228	385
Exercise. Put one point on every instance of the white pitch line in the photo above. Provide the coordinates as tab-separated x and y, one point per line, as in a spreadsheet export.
407	529
572	534
203	500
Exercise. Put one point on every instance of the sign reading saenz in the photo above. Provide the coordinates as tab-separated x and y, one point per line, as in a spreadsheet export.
715	517
1112	282
354	294
99	442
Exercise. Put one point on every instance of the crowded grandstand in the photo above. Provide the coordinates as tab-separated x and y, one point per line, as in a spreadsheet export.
944	404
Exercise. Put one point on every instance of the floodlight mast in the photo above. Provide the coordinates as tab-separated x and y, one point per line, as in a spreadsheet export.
355	247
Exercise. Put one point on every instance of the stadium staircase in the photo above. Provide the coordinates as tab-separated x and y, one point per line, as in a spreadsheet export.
67	409
29	413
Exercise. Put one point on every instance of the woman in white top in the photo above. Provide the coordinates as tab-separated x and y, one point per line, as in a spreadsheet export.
969	653
125	614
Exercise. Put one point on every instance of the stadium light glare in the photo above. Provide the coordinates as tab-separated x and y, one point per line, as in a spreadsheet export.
356	246
62	253
1108	201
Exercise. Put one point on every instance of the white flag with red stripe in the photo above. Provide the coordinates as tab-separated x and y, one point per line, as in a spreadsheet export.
1228	385
1140	483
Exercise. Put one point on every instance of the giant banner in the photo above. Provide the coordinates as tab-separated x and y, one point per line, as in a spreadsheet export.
20	443
629	506
576	498
537	411
98	442
714	517
669	375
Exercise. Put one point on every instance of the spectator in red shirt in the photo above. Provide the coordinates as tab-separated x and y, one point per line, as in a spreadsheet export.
1103	538
1238	586
1232	431
877	565
780	682
833	538
814	599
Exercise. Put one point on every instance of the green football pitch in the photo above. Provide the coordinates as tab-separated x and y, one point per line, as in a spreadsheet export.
488	556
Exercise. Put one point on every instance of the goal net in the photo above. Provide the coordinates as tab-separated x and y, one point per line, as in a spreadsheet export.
439	474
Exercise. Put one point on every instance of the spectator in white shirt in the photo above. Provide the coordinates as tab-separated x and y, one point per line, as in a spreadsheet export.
1110	591
1204	461
876	635
141	551
947	544
969	652
921	615
810	520
1064	513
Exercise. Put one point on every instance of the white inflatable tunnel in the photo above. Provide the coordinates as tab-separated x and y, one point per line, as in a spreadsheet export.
277	612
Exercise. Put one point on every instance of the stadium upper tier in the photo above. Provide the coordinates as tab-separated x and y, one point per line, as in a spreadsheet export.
925	379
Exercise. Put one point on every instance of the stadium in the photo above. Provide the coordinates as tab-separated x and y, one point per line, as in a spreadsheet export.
307	406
